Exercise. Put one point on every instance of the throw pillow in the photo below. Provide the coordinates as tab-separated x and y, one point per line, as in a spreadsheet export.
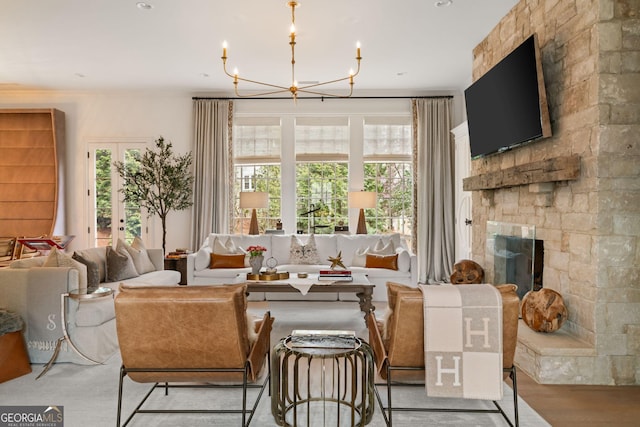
226	260
203	258
404	260
60	259
228	247
384	249
140	257
146	265
389	262
119	265
93	272
304	254
360	257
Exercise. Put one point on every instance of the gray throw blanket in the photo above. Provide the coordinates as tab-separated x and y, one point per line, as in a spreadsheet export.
44	315
463	341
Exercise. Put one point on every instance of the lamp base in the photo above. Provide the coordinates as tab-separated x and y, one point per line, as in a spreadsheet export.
253	225
362	224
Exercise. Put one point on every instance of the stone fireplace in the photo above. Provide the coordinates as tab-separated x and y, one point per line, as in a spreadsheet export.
585	199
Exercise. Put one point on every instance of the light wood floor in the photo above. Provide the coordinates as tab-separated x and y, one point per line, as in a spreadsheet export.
582	405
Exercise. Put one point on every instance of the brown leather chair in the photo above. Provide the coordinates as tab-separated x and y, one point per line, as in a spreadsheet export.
398	344
197	334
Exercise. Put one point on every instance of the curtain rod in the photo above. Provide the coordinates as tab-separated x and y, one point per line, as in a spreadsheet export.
322	98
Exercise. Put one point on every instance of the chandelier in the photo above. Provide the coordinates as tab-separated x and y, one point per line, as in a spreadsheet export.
294	89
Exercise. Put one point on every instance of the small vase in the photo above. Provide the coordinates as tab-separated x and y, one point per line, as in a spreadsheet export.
256	264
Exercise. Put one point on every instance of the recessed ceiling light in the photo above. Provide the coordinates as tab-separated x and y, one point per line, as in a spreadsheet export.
443	3
80	75
401	73
204	75
144	6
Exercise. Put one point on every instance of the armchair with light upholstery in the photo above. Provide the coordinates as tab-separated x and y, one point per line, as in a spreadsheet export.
197	334
398	344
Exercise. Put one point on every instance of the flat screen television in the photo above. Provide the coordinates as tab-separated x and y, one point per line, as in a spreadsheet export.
507	106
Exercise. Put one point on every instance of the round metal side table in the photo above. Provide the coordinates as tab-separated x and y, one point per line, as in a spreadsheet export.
78	295
322	385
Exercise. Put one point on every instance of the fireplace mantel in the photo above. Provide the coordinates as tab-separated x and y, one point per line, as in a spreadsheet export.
550	170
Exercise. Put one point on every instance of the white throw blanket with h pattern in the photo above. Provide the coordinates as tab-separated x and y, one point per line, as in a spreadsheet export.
463	341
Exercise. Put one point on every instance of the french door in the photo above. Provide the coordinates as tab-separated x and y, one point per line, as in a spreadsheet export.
110	218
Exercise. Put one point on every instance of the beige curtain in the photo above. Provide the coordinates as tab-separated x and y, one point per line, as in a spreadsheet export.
433	189
213	169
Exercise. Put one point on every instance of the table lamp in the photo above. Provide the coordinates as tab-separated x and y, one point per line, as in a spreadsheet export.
254	200
362	200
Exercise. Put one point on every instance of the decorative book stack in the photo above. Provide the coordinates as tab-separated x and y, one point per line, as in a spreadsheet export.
336	275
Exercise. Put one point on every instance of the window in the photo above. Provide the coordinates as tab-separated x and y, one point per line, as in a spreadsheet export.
256	168
388	171
322	173
308	164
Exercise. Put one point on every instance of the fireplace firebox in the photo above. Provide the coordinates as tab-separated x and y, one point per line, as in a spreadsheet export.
518	257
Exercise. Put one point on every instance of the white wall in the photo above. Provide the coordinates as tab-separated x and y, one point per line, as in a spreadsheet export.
145	115
117	115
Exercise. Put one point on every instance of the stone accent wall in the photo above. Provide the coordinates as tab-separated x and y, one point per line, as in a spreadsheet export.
591	226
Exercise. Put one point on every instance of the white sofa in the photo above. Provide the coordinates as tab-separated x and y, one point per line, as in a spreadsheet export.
33	291
328	245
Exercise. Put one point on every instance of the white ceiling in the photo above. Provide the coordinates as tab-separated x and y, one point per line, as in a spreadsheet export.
407	45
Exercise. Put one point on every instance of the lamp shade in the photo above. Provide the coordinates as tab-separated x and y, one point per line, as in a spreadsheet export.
362	199
254	200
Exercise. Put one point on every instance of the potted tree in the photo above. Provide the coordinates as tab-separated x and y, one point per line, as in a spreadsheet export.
160	182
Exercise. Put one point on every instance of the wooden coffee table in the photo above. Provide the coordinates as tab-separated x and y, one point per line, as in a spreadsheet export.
359	286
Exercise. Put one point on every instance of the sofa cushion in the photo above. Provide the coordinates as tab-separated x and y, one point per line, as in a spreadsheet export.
99	256
155	278
93	272
139	254
119	265
349	244
37	261
227	260
389	262
94	312
304	253
224	274
57	258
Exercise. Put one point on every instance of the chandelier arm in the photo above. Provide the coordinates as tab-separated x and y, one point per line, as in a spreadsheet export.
263	84
236	77
260	93
323	83
327	95
333	81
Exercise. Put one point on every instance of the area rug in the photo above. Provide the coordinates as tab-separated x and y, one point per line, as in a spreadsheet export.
89	394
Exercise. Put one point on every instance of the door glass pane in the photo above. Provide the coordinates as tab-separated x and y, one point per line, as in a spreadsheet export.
131	219
103	192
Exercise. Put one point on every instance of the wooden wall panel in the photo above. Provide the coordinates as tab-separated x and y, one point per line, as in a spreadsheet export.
30	154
